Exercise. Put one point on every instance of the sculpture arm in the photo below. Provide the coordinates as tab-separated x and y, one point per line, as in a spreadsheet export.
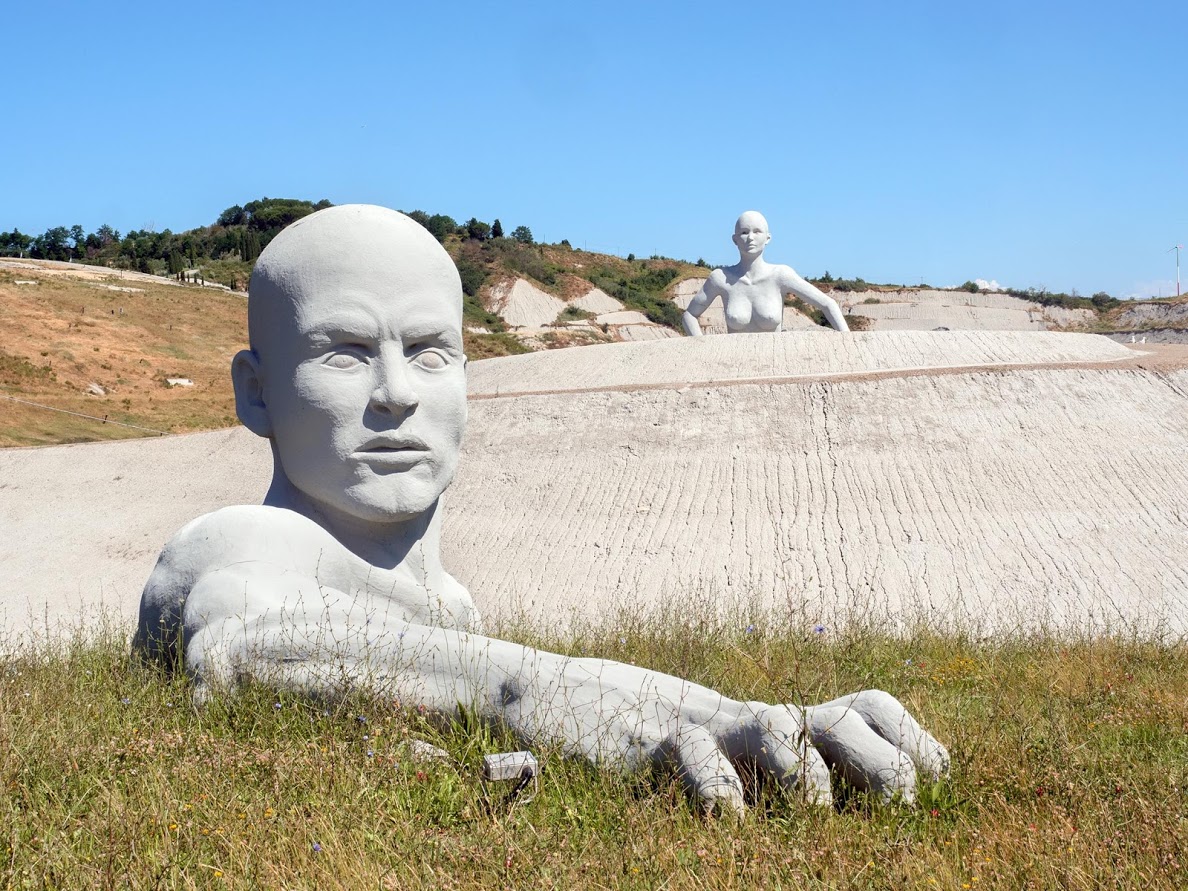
254	623
792	283
699	304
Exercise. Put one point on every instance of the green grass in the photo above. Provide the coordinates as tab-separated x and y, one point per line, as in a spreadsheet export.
1070	762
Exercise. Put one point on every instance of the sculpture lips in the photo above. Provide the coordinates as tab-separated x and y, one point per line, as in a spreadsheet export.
395	449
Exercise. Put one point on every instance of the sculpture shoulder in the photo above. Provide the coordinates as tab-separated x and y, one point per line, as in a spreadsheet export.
246	533
233	540
237	536
786	275
717	281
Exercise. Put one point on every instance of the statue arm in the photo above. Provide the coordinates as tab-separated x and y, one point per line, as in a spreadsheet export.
253	623
699	304
792	283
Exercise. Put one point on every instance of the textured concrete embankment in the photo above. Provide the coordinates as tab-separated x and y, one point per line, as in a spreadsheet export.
975	477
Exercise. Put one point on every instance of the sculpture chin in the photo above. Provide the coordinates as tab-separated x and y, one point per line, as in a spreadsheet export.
378	488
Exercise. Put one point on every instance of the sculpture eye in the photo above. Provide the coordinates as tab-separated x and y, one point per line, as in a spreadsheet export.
343	360
430	360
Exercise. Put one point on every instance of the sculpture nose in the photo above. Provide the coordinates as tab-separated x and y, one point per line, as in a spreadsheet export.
393	393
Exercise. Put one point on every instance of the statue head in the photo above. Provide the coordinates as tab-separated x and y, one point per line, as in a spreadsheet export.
356	371
751	234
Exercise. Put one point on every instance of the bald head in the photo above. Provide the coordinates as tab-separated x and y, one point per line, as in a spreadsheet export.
751	235
751	219
356	371
352	247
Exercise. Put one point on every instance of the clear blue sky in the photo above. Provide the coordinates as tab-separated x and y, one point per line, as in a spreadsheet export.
1035	143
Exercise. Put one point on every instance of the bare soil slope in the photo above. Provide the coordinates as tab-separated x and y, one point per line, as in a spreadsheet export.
996	480
104	343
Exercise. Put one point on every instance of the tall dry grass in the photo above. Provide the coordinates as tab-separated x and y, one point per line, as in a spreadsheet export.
1069	757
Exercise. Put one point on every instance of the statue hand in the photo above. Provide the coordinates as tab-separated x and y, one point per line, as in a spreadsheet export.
875	743
619	715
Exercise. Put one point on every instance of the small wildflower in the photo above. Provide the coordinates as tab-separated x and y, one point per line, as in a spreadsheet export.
124	701
818	629
622	640
218	873
317	849
370	753
362	719
750	629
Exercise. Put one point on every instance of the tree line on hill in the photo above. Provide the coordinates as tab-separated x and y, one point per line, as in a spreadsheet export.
224	250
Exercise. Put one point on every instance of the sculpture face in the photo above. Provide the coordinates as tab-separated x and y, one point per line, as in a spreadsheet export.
750	234
361	366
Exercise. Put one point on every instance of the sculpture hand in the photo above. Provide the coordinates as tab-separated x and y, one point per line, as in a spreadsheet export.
624	716
875	743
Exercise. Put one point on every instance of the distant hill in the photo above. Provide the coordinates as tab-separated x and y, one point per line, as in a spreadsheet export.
100	323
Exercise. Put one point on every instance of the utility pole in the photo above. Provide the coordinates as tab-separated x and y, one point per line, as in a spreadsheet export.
1177	248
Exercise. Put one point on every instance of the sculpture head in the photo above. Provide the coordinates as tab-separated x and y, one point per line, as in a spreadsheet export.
356	372
751	234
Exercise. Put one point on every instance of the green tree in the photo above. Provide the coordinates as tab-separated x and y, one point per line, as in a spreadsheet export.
497	229
522	234
232	216
477	229
15	242
51	244
418	216
440	225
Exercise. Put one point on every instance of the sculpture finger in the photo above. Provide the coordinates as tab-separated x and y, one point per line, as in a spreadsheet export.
860	755
778	744
704	769
886	715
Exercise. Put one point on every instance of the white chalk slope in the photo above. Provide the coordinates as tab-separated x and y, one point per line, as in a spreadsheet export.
1041	484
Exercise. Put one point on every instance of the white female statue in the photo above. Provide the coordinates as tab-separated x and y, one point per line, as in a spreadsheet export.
357	377
752	290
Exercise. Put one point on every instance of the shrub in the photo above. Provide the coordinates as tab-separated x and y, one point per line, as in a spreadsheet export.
573	313
472	274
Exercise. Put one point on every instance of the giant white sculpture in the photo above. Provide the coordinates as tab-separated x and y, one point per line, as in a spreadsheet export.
752	290
356	375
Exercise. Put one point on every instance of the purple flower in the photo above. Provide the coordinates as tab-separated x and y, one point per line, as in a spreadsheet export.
317	849
818	629
276	705
750	629
124	701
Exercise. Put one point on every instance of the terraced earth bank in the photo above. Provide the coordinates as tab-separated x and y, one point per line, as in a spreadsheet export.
1048	493
994	480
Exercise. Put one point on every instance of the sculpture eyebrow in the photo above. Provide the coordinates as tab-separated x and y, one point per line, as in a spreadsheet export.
345	325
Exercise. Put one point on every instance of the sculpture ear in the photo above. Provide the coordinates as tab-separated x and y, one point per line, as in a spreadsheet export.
249	393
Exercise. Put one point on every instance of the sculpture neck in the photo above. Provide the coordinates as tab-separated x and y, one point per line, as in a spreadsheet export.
750	263
413	544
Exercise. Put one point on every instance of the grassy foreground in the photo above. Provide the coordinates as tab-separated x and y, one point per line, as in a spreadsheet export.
1070	763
